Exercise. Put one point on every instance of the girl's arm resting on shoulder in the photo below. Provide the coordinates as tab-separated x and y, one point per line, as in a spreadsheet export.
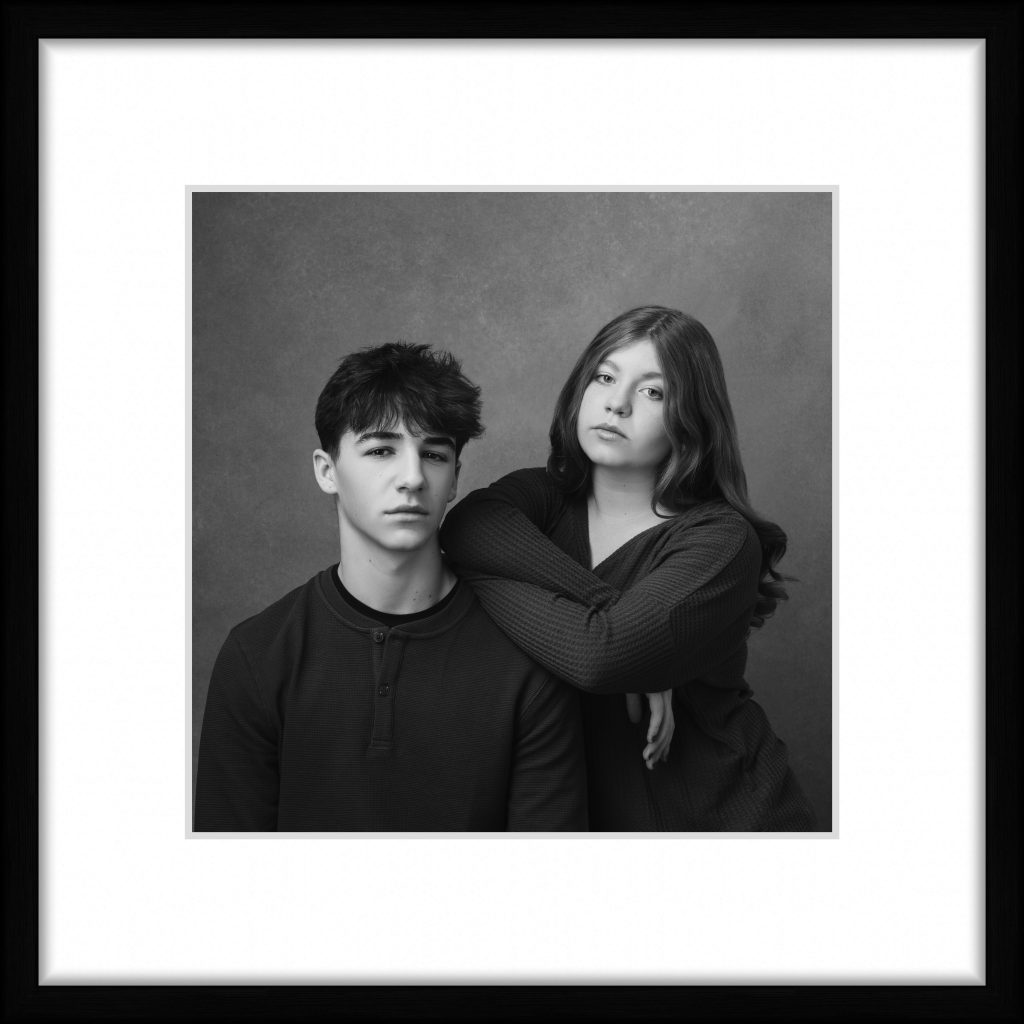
501	531
674	624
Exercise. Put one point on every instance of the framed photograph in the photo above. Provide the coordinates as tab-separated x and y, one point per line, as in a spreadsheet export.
142	143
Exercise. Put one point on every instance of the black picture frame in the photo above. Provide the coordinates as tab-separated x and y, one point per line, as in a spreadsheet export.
998	24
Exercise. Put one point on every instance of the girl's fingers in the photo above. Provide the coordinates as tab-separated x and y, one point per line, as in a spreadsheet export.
657	715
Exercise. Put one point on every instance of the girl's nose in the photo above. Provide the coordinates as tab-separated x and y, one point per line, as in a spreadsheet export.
617	404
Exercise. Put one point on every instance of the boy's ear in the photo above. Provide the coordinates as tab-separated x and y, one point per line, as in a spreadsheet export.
323	470
455	482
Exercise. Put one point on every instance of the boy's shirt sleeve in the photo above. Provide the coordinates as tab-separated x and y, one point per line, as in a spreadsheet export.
237	774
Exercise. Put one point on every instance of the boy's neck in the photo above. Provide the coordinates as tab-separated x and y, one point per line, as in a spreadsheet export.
398	583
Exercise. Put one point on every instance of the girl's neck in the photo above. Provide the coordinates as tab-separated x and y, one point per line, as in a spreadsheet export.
621	493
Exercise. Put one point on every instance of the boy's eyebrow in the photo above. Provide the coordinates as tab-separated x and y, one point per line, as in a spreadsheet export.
379	435
439	440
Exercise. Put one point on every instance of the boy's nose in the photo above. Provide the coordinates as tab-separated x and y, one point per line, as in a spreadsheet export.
411	476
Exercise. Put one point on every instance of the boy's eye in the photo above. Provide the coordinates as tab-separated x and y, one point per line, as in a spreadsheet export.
377	452
436	456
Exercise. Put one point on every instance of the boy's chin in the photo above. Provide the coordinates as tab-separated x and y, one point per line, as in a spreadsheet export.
408	541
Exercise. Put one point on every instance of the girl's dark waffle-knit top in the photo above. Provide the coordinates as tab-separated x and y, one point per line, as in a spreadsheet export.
671	608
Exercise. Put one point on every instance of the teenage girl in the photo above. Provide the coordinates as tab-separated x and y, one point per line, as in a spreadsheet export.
634	563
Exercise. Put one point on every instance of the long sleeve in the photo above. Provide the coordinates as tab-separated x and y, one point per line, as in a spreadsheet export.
502	530
681	619
237	774
548	790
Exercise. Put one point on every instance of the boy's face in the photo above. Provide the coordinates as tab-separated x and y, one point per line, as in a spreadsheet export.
392	486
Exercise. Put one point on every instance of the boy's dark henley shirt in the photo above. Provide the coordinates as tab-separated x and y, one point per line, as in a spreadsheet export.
319	717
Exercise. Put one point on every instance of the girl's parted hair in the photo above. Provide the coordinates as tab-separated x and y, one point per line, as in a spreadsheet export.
704	462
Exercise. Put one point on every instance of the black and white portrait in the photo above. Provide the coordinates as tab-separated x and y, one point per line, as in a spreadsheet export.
512	511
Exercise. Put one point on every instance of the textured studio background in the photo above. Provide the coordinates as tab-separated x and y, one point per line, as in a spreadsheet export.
515	284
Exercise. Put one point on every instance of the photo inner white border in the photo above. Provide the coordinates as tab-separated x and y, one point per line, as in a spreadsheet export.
895	896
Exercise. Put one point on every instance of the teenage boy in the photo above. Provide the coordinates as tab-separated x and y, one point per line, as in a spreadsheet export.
379	696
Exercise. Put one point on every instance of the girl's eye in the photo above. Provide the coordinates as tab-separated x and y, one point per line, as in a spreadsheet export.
603	378
656	393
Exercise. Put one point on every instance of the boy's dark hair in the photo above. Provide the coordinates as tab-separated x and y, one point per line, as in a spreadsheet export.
376	388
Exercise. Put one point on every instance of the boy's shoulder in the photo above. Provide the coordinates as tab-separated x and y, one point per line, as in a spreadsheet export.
499	657
281	615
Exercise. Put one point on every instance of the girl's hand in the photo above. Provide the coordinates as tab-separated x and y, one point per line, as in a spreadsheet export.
660	729
661	726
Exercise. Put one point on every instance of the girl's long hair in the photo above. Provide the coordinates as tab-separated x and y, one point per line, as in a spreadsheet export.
704	462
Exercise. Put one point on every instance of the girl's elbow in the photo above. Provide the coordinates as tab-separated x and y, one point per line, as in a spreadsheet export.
598	678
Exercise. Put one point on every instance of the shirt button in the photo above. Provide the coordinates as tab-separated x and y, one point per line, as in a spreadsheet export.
378	636
383	691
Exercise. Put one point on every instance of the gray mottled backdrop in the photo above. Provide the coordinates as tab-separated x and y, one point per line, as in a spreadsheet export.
284	284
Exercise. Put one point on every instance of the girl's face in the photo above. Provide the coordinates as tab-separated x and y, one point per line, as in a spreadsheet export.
621	418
